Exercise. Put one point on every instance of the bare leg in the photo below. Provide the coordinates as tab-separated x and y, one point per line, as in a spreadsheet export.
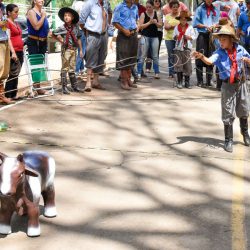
88	84
96	84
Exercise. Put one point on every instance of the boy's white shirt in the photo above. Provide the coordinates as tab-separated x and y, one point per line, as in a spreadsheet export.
189	32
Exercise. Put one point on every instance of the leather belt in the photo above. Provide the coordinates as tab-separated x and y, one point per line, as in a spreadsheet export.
95	33
42	39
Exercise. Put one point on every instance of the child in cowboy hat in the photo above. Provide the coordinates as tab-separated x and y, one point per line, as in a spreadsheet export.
70	37
184	34
229	59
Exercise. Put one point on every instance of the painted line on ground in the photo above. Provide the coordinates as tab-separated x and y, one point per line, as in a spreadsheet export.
238	208
11	105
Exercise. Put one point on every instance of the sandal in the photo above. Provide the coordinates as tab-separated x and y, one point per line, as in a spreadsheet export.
99	86
87	89
125	87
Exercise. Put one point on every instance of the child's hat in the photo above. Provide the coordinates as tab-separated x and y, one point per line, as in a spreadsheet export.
225	28
185	14
62	11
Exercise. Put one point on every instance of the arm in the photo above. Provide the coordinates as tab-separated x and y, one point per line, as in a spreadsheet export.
197	20
203	58
240	25
80	47
109	13
143	25
31	15
159	23
13	53
85	11
175	33
120	28
190	34
168	26
238	13
117	20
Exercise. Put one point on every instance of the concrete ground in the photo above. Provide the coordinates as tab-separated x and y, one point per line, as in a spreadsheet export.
143	169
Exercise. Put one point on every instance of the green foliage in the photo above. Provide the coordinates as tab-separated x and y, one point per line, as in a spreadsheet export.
64	3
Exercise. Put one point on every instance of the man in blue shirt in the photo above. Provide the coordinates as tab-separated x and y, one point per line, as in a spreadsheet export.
243	30
125	20
94	20
206	16
229	59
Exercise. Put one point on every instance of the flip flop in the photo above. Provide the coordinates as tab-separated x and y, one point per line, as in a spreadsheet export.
99	86
87	89
125	87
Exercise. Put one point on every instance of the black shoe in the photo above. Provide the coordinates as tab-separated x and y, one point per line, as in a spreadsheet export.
228	146
179	79
73	82
187	82
228	130
64	82
244	131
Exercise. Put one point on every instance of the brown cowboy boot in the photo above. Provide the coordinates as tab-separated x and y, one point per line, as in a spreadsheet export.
3	99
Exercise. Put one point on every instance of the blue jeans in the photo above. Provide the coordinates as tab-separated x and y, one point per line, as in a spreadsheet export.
152	44
170	44
79	60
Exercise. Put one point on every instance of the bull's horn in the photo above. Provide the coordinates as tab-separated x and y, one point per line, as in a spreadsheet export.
31	172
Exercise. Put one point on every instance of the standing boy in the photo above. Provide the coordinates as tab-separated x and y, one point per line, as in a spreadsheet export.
229	59
70	38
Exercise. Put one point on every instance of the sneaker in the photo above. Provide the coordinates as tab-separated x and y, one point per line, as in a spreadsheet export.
157	76
139	77
179	85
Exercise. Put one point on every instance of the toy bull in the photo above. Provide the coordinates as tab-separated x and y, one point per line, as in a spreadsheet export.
22	181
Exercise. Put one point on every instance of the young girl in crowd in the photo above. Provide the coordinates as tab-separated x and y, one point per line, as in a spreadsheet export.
183	34
229	59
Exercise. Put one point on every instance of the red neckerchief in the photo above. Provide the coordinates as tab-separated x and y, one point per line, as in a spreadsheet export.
70	33
182	32
234	67
209	9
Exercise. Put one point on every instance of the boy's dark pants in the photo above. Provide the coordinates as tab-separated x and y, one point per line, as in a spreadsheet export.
234	102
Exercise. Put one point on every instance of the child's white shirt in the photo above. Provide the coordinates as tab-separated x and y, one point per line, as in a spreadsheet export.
180	44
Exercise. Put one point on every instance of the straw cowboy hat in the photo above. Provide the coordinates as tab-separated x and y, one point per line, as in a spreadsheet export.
184	14
62	11
225	28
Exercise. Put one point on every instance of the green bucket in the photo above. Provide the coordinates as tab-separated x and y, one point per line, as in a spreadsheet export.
39	74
